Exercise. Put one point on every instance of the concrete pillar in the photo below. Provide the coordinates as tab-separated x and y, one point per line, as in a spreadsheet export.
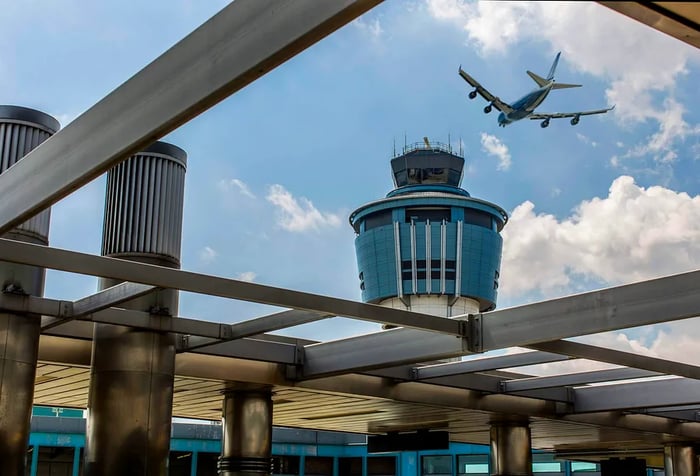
246	449
511	453
680	460
131	383
623	467
21	130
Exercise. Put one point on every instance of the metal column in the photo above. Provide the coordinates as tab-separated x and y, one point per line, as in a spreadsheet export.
131	383
21	130
511	454
246	449
680	460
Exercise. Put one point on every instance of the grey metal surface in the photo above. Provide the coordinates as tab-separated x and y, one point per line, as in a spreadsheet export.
382	349
246	446
145	202
21	130
163	277
680	460
618	357
579	378
487	363
648	394
132	371
647	302
244	41
511	453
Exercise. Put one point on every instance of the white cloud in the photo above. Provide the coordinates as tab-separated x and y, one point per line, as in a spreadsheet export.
556	191
238	185
207	255
586	140
299	214
605	44
248	276
373	28
634	233
493	146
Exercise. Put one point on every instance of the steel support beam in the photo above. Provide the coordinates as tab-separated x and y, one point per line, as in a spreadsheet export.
628	396
579	378
486	364
247	39
618	357
261	325
374	351
170	278
113	296
647	302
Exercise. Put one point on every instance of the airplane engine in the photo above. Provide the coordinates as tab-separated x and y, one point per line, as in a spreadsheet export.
472	94
545	123
487	109
575	120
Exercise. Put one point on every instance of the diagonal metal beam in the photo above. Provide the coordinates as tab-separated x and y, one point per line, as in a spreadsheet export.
618	357
253	327
579	378
83	263
486	364
647	302
241	43
109	297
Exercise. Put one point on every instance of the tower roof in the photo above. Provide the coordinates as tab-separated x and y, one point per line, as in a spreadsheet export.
427	164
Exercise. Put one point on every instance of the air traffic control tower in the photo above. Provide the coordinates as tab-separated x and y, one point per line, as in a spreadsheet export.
429	246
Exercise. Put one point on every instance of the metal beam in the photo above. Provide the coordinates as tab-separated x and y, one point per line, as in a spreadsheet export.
647	302
252	327
618	357
241	43
579	378
83	263
486	364
656	393
381	349
102	300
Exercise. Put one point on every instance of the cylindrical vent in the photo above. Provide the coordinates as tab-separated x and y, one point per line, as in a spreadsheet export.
21	130
144	205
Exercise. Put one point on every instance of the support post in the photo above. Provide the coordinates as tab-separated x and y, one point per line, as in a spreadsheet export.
246	449
131	382
511	453
21	130
680	460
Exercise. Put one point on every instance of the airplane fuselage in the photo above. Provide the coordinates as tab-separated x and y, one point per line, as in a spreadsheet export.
525	106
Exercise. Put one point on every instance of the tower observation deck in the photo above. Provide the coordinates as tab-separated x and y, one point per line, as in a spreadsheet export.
429	246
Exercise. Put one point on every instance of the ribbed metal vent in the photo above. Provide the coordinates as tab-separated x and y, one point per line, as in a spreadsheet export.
21	130
144	205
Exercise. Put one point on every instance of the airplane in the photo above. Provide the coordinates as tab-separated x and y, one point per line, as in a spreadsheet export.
525	106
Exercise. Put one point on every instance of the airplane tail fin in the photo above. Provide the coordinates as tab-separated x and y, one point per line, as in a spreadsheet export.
550	75
565	86
538	79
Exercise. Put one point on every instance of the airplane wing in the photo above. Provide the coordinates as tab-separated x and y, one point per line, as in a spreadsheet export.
561	115
495	101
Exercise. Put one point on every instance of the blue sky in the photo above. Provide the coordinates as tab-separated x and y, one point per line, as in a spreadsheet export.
275	170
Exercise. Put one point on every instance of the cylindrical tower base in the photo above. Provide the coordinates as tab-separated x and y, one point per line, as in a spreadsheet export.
21	130
246	448
511	454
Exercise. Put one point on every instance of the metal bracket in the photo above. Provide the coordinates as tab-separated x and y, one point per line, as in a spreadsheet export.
295	372
475	337
15	289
